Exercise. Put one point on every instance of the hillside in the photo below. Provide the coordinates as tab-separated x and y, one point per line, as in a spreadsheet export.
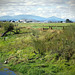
32	17
53	19
19	17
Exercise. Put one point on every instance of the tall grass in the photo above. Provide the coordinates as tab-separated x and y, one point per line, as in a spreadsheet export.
35	52
63	43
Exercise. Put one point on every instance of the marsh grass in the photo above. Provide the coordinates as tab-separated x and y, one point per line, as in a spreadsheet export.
35	52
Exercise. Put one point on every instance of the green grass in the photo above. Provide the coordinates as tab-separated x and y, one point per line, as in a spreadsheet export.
43	25
34	52
38	25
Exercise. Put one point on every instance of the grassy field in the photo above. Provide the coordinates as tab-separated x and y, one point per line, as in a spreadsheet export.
35	52
38	25
42	24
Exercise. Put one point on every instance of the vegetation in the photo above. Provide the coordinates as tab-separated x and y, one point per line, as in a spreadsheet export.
38	52
68	21
8	27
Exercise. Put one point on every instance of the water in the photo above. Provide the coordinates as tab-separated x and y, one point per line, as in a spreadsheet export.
8	72
5	71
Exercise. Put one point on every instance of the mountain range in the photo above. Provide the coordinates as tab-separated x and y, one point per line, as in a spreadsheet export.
31	17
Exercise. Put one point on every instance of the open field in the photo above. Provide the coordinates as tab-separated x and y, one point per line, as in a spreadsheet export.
35	25
35	52
43	25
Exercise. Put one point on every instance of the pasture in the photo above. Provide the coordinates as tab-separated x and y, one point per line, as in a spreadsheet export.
39	25
43	25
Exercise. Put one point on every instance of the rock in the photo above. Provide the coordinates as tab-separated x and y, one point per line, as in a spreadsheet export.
5	62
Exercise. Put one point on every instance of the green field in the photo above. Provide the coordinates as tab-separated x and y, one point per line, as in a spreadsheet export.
35	52
42	24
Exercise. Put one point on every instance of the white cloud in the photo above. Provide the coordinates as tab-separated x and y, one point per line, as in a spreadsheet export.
71	2
39	9
17	13
3	14
44	8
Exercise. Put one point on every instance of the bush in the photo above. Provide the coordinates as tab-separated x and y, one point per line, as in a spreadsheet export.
62	44
8	26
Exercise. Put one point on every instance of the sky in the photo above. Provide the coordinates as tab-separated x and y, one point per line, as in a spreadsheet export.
43	8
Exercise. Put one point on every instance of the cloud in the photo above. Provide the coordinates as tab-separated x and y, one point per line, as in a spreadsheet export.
32	2
71	2
44	8
39	9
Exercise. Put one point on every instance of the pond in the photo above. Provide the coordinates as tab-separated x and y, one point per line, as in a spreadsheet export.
5	71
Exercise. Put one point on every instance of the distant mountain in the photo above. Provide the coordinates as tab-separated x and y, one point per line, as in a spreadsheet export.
31	17
38	18
19	17
72	19
7	18
53	19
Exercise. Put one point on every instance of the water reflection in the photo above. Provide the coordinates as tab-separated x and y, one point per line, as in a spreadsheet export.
5	71
8	72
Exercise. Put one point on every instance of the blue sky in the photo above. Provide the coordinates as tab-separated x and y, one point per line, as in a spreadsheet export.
43	8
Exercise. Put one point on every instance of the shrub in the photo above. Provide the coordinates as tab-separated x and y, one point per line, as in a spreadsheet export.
8	26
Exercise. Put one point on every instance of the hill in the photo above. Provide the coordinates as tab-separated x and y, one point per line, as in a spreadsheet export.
31	17
53	18
19	17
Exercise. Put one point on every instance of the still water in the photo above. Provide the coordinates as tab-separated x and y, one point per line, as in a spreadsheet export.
5	71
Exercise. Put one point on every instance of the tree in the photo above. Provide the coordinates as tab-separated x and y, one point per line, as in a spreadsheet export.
68	21
8	27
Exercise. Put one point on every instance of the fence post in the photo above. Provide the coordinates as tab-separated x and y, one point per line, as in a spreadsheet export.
63	27
50	27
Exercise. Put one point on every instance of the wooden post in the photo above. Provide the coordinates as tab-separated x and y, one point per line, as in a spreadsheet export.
63	27
50	27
